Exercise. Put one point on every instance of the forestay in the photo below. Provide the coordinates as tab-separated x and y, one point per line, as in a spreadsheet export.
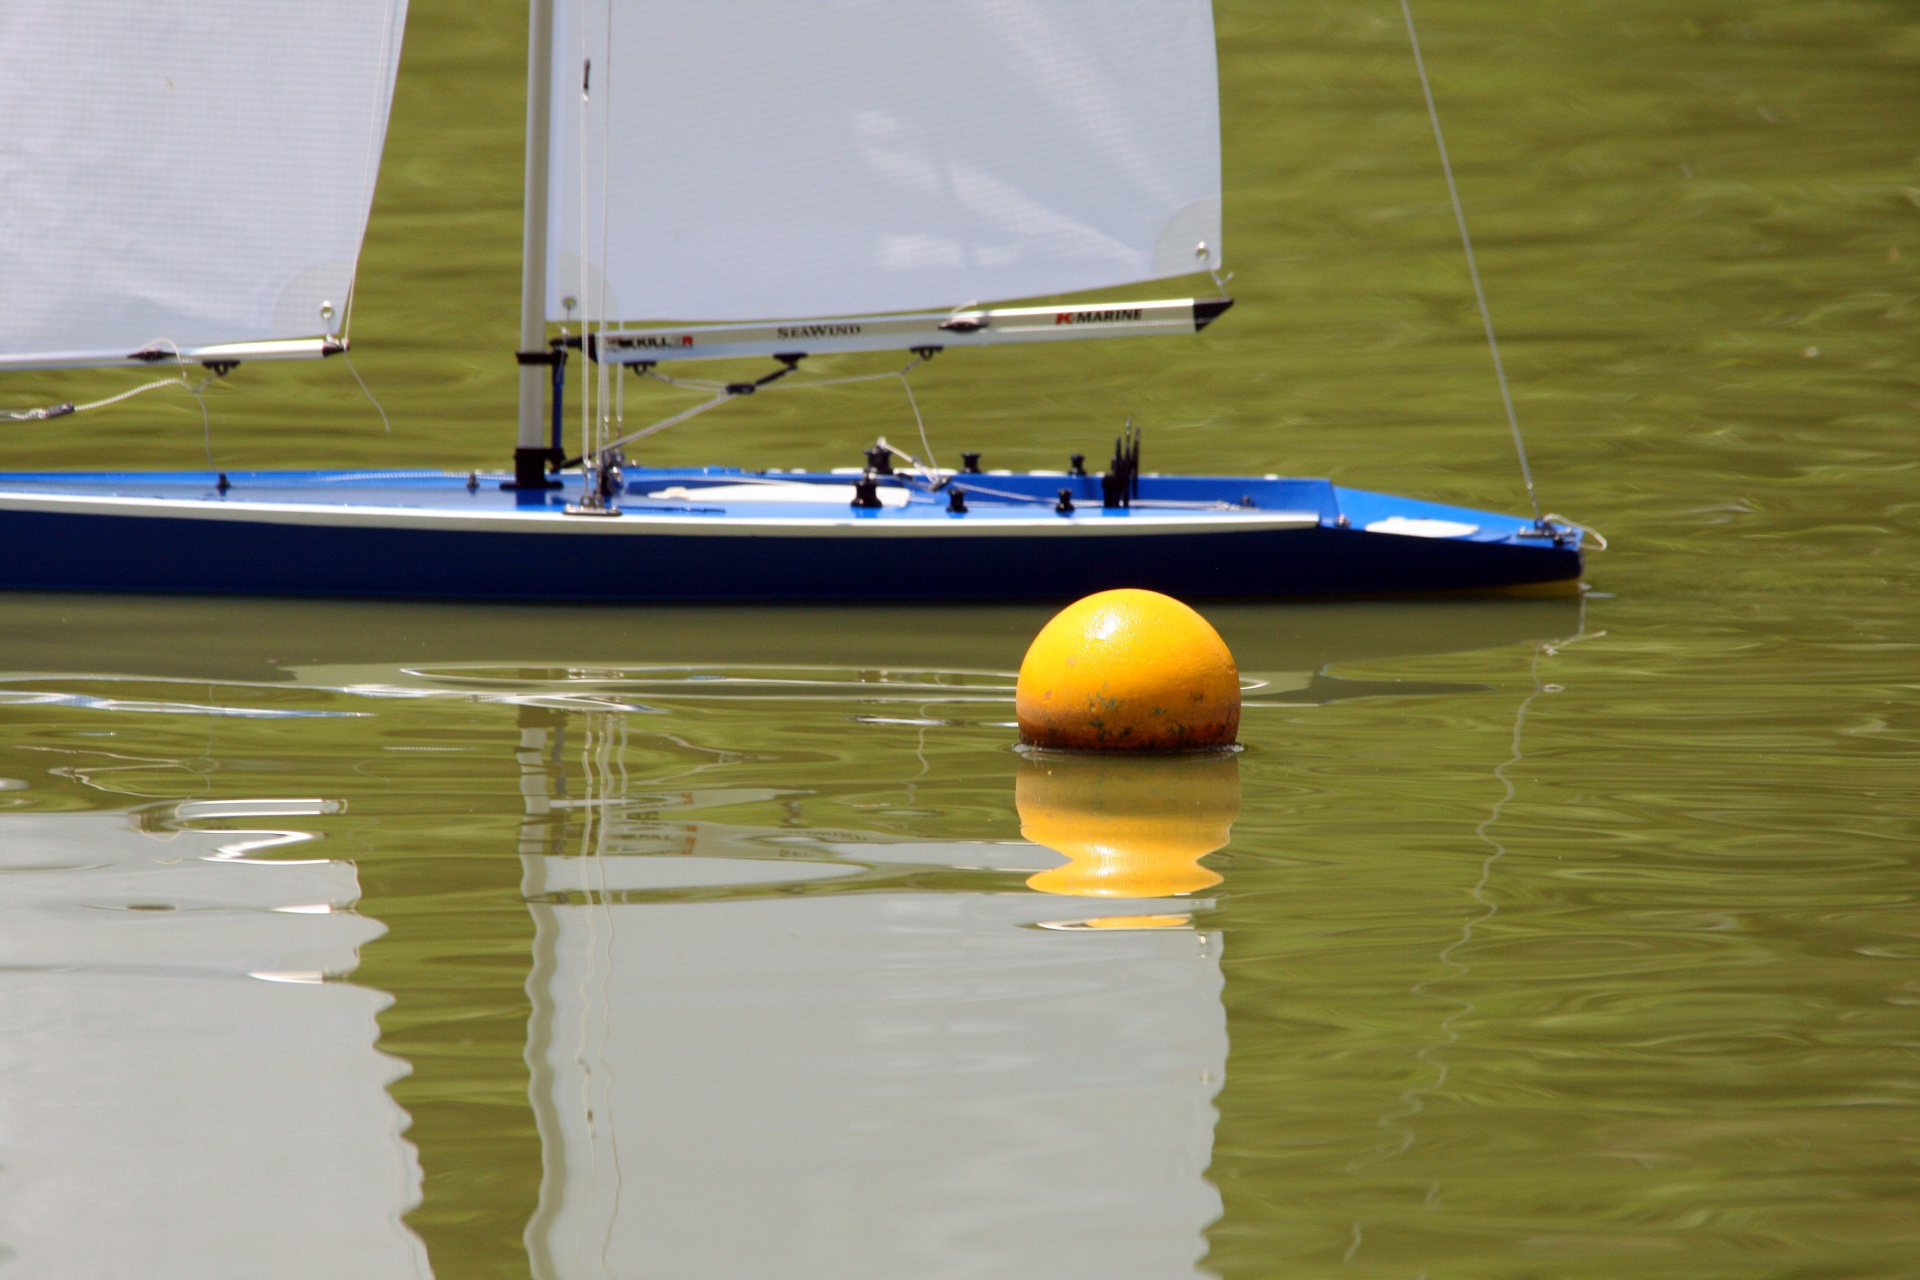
734	160
189	178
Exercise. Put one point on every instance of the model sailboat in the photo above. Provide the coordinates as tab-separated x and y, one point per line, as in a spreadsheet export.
793	182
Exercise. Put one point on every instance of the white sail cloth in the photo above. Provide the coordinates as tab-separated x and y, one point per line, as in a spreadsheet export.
741	160
180	173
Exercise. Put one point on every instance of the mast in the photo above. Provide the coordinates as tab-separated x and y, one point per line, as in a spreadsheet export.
540	365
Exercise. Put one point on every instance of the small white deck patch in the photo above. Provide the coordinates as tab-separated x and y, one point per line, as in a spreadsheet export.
779	491
1422	527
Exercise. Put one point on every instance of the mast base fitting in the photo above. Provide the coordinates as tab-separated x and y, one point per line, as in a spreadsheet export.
530	469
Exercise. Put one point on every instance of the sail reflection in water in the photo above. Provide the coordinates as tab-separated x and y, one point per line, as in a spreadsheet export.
185	1095
803	1068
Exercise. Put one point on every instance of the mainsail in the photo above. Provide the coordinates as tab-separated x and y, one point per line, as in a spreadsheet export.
187	178
734	161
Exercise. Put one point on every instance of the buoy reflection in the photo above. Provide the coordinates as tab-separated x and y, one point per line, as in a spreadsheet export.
1129	826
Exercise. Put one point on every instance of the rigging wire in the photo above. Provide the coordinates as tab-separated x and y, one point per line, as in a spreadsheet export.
1473	266
604	421
366	391
586	299
722	395
932	465
206	419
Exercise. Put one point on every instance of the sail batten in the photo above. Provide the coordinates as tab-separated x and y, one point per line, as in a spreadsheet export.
735	160
187	176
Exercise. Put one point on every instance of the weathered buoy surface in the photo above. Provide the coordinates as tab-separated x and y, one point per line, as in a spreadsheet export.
1128	670
1129	826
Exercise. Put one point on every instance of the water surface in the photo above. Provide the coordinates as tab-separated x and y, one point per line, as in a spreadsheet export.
1552	938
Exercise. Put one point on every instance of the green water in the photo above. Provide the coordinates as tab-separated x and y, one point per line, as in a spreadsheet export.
1558	938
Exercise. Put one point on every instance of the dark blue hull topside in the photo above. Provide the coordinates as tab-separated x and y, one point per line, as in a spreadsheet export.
729	535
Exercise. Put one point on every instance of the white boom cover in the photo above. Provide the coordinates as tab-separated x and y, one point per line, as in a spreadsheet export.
745	160
185	172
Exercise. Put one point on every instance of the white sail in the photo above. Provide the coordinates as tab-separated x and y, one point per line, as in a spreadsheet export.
185	174
732	160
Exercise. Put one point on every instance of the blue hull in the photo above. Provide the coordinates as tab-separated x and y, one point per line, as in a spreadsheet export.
418	536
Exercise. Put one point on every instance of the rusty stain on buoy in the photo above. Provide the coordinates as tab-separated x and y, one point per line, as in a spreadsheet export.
1128	670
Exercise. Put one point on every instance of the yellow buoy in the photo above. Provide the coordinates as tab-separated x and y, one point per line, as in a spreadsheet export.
1130	826
1128	670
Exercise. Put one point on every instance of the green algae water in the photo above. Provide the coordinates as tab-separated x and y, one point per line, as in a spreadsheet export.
1552	938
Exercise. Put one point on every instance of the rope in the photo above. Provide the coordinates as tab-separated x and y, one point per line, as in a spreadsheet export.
62	410
1473	267
1553	518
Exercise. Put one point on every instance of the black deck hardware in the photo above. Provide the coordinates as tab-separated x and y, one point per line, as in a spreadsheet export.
880	460
970	464
866	491
1077	465
223	484
1121	484
1065	505
957	501
473	482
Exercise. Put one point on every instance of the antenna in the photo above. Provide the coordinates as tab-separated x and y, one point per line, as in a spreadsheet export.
1473	267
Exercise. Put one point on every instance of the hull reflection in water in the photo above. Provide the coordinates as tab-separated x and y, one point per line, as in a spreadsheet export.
838	1083
184	1096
